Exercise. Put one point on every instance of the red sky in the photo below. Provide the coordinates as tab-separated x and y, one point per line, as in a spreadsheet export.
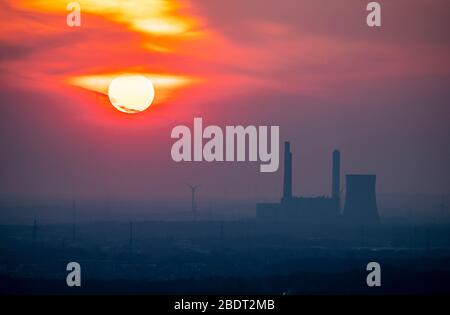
313	67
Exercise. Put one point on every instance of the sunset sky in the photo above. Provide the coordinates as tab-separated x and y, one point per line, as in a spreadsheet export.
314	68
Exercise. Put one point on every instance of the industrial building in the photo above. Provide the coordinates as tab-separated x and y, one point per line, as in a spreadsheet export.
360	202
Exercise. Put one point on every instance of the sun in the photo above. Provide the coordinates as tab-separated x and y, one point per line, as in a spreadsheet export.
131	93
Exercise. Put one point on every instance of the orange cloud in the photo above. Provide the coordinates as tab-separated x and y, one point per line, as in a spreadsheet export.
180	42
158	17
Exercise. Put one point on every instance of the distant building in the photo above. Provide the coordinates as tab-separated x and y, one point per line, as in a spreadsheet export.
360	204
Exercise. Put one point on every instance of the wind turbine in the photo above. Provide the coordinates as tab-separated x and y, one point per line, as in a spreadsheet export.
193	204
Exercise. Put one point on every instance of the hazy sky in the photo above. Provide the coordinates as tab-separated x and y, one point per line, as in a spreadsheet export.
314	68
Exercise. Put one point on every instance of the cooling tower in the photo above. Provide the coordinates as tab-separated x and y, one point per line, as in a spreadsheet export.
287	180
360	202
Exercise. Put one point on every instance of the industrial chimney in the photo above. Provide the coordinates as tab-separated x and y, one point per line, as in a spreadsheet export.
336	179
287	180
360	202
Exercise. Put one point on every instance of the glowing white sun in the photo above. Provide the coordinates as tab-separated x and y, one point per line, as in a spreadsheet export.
131	93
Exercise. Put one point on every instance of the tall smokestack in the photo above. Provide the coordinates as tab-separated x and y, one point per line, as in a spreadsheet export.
287	181
336	178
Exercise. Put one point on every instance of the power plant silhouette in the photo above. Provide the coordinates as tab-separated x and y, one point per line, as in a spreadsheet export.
360	200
